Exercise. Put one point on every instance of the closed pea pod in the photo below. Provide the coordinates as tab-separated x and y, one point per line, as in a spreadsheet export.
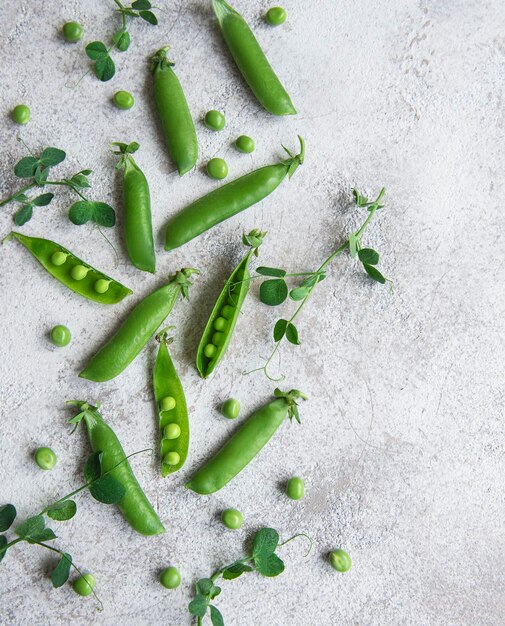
136	210
172	409
251	60
72	272
230	199
245	443
137	329
134	505
221	324
174	113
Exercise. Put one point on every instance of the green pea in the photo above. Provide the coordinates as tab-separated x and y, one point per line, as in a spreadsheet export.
295	488
172	458
45	458
218	338
227	311
21	114
167	403
60	336
220	323
78	272
123	100
230	408
214	120
170	578
172	431
72	31
84	585
58	258
340	560
276	16
232	519
210	350
245	144
101	285
217	168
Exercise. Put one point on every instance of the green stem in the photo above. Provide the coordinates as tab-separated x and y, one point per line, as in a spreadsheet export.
11	543
65	183
22	190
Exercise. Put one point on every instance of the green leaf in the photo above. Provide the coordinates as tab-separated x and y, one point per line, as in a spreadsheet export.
7	516
62	511
45	535
359	199
214	592
61	572
280	329
80	180
96	50
52	156
107	490
41	174
81	212
215	616
149	16
122	40
353	244
271	271
235	570
23	215
25	168
273	292
104	215
265	542
105	68
93	467
43	200
30	527
3	543
374	273
204	586
368	256
292	334
20	197
269	566
139	5
85	172
299	293
198	606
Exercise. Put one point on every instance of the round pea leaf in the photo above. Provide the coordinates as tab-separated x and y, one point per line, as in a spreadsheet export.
121	40
292	334
265	542
374	273
52	156
104	214
81	212
7	516
25	168
368	256
269	566
23	215
105	68
215	616
149	16
280	329
43	200
107	490
198	606
273	292
270	271
61	572
62	511
141	5
96	50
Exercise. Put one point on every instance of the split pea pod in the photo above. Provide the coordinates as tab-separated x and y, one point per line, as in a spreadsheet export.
137	221
172	409
134	505
137	329
230	199
72	272
251	60
174	113
219	329
245	443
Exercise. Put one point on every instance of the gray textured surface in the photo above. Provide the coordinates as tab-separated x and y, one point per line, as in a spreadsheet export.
402	440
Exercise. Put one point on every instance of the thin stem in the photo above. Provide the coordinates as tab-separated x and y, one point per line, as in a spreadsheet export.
22	190
11	543
110	244
65	183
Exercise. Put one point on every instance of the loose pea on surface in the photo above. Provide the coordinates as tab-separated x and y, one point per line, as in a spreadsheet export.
21	114
172	458
217	168
170	578
60	335
72	31
167	403
45	458
101	285
78	272
276	16
232	519
214	120
58	258
84	585
172	431
210	350
123	100
340	560
295	488
245	144
230	408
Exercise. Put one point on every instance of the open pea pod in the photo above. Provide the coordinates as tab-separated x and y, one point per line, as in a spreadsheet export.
172	409
219	329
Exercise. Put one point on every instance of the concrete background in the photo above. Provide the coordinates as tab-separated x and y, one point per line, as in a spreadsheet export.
402	441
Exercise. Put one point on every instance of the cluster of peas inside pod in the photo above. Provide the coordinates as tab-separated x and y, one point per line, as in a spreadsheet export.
223	324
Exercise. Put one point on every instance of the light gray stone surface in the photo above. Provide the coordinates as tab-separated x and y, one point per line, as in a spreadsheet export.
401	443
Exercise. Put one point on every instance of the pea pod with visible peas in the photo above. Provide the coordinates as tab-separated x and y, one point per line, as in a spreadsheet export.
246	442
172	409
136	210
134	505
174	113
230	199
137	329
251	61
72	271
219	329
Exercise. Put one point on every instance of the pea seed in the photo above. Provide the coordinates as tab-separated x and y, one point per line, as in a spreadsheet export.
172	458
172	431
232	519
78	272
228	311
58	258
21	114
217	168
45	458
218	339
340	560
220	323
170	578
214	120
230	408
101	285
245	144
72	32
210	350
84	584
276	16
295	488
60	336
123	100
167	403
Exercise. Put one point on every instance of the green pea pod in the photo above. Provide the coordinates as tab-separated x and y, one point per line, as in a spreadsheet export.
172	410
245	443
219	329
137	329
251	60
138	227
72	272
134	505
230	199
173	110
